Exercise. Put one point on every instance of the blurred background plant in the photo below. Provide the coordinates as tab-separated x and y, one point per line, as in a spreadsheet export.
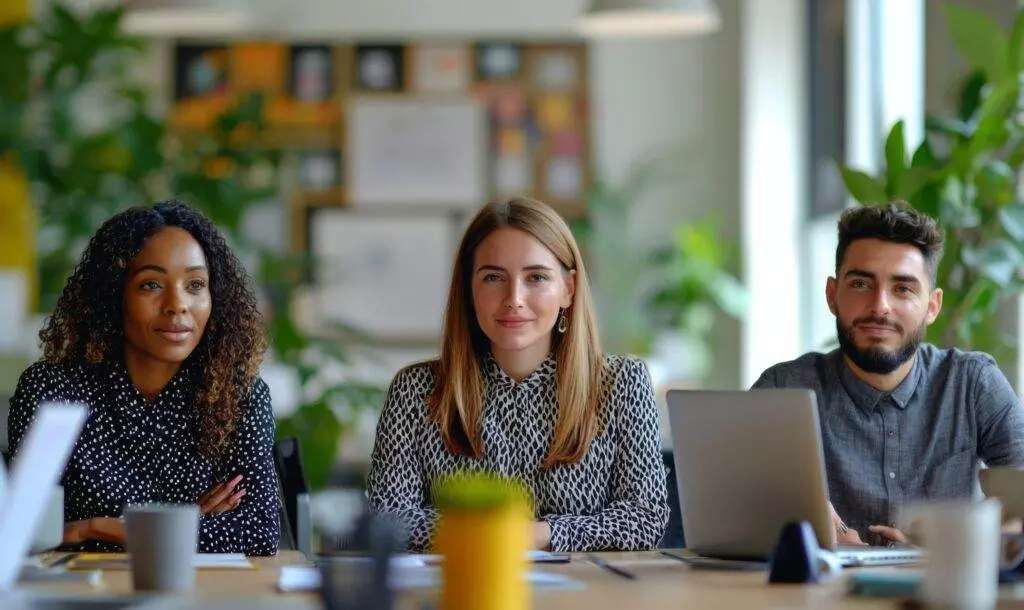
660	300
77	125
965	173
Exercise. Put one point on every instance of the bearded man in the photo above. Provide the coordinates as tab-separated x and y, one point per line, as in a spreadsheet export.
901	420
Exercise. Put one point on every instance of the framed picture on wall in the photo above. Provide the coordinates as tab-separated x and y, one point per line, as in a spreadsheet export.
555	70
320	169
380	67
311	74
201	71
441	68
385	273
416	151
498	61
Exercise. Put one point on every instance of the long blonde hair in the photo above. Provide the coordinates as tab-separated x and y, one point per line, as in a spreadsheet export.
457	401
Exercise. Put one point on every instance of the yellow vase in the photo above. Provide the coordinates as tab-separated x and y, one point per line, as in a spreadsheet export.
485	562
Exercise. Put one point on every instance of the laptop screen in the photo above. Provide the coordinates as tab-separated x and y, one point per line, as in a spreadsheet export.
35	470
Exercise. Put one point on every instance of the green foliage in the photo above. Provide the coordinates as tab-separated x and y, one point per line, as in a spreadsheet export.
470	490
965	174
643	291
694	281
81	128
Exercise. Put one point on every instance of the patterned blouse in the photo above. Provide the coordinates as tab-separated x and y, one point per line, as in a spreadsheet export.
132	451
613	499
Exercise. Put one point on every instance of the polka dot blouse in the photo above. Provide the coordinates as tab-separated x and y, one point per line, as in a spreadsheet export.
133	451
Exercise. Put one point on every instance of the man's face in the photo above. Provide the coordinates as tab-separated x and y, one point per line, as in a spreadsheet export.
883	302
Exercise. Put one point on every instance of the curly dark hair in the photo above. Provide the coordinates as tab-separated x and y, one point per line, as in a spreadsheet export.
896	222
87	324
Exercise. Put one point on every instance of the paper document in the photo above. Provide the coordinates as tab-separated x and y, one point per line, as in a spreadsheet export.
405	575
121	561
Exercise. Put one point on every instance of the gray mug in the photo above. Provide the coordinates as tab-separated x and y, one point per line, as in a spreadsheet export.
162	540
50	531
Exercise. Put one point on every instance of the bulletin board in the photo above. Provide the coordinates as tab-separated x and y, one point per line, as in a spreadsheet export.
511	117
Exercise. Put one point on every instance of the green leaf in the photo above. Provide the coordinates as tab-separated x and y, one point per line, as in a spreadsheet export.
318	431
923	156
1015	155
948	127
980	40
1012	219
1015	49
993	115
995	184
895	157
912	181
971	95
998	261
863	187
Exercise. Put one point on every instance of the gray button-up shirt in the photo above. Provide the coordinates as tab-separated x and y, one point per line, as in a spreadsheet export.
923	440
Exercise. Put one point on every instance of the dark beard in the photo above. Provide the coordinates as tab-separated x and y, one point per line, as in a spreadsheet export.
879	360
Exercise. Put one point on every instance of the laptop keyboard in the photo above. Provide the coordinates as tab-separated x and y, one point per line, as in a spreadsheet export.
879	555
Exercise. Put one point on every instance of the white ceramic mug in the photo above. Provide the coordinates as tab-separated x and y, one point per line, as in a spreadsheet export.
964	543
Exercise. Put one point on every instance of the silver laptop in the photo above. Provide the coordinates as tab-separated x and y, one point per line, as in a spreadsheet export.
748	462
36	469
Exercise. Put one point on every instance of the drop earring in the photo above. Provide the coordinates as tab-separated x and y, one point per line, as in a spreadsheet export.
563	322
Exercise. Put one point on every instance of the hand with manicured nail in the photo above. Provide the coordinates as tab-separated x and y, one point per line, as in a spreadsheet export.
223	497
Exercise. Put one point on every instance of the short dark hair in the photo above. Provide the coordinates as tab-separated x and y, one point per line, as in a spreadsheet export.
896	222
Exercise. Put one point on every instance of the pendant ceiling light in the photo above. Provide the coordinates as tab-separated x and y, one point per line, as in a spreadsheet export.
637	18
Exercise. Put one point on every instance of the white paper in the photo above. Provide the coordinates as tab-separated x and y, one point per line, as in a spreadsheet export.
222	560
37	468
416	151
307	578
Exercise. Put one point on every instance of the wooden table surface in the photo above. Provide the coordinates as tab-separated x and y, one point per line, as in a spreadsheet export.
661	583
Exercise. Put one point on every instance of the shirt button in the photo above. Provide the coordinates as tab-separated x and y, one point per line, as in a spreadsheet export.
892	475
892	432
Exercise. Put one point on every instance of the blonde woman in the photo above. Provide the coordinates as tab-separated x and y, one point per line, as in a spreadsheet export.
522	388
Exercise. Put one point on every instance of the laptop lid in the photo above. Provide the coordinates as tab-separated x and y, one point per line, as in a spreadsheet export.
747	462
35	470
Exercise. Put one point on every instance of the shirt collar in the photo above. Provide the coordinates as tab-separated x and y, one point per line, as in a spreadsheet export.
182	381
866	396
497	375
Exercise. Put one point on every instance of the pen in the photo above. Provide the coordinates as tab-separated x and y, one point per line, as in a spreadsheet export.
61	561
601	563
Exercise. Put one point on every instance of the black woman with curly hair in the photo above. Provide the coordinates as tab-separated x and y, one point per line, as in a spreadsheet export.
159	333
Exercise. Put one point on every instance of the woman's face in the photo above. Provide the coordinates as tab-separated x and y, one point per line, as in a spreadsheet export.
167	298
518	288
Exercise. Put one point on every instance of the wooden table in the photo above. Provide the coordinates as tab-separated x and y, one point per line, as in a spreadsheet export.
661	583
